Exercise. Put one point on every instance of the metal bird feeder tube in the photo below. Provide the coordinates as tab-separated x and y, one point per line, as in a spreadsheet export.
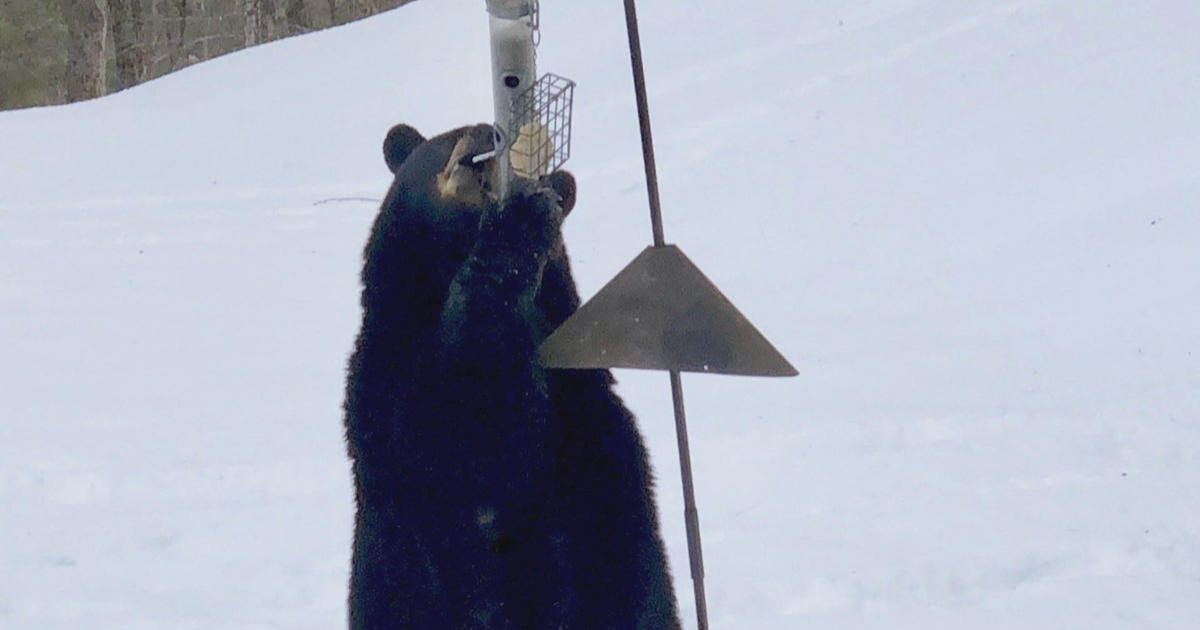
514	69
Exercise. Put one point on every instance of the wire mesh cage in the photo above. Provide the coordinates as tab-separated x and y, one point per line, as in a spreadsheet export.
540	127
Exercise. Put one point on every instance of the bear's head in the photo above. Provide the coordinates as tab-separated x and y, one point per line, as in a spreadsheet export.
429	222
451	171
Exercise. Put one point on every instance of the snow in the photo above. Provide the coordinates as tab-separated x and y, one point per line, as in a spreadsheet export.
971	224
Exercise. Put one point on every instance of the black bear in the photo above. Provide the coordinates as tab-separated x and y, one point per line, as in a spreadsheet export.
491	493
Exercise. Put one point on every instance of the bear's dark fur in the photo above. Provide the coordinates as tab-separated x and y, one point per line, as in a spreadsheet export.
491	492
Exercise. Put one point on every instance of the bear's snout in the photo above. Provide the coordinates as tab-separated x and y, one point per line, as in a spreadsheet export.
469	173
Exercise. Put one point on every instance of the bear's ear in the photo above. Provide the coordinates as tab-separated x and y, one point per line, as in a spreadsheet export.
562	183
399	143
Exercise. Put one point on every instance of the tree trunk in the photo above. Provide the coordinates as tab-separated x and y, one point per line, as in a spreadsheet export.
130	43
363	8
253	17
299	17
175	17
87	59
260	18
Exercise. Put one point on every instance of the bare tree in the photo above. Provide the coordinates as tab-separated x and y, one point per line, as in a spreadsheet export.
33	53
131	50
260	21
363	8
253	12
87	53
299	17
149	38
175	18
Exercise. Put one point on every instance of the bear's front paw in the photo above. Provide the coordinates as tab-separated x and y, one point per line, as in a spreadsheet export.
530	220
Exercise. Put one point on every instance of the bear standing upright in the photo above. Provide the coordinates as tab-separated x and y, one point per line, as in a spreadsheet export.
491	493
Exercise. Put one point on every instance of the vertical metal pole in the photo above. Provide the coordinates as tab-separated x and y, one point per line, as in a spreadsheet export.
643	106
691	515
514	70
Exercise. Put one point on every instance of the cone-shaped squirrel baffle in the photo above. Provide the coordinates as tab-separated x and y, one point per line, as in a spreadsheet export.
662	313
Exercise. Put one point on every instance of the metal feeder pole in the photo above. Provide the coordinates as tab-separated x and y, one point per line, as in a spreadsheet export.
514	69
692	516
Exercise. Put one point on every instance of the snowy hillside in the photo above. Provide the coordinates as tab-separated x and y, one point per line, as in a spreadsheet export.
972	225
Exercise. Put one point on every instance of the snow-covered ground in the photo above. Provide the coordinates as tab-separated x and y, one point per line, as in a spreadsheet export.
973	225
